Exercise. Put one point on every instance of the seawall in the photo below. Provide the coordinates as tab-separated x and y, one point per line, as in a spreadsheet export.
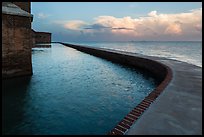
157	69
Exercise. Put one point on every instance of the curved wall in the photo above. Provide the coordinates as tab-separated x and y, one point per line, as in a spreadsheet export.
161	72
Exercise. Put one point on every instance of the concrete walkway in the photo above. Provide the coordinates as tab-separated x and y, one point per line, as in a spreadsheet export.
178	110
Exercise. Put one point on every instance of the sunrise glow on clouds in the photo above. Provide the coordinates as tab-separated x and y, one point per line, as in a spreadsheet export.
152	24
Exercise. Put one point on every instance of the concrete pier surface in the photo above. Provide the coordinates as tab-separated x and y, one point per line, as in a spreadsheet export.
178	109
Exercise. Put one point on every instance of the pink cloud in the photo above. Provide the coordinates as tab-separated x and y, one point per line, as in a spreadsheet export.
162	24
153	25
198	27
74	24
173	29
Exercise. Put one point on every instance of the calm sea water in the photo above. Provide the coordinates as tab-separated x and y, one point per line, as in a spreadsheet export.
71	92
190	52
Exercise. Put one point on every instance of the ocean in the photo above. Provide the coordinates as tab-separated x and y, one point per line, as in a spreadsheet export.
186	51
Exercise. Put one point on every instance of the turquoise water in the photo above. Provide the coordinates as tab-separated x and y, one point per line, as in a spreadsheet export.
186	51
71	93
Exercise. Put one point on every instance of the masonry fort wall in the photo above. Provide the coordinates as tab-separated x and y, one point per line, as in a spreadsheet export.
24	5
16	45
18	39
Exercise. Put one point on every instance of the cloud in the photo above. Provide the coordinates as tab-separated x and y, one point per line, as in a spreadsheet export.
125	25
173	29
97	27
153	13
153	26
74	24
110	21
101	27
122	28
198	27
42	15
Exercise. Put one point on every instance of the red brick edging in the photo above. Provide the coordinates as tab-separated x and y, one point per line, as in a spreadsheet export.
122	127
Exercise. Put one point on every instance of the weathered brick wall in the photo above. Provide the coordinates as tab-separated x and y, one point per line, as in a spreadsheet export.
16	46
33	38
23	5
42	37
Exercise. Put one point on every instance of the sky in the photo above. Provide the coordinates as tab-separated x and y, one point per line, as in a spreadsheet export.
119	21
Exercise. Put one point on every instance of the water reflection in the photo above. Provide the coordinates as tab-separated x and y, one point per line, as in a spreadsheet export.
14	102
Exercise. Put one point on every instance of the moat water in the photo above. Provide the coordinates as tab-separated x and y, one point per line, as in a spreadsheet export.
71	93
